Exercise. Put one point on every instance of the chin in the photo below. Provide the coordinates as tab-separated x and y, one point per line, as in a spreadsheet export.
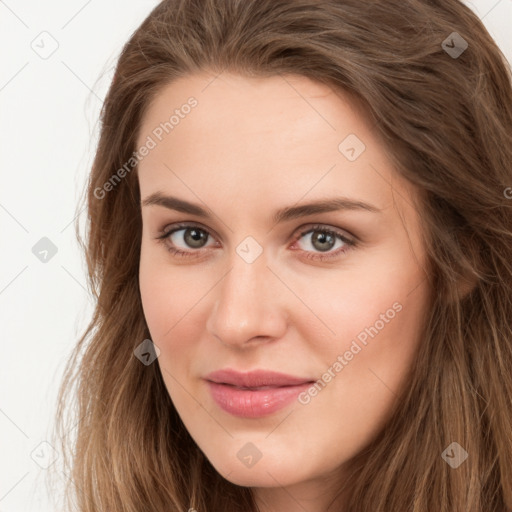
269	473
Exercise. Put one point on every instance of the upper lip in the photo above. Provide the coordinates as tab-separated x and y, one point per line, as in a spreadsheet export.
255	378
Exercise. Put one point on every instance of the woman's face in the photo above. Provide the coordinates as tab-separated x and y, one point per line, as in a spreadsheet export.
300	253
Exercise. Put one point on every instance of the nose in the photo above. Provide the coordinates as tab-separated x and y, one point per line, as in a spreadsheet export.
249	305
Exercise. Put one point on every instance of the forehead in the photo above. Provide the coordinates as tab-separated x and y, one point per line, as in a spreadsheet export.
280	138
283	105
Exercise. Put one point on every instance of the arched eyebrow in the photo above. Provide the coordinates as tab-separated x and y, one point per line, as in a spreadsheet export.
282	215
325	205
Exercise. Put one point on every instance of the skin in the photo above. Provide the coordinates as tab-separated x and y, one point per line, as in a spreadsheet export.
250	147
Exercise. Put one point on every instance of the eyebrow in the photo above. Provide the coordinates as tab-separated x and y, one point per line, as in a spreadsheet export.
282	215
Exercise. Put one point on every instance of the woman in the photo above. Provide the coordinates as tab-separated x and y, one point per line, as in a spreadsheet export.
299	238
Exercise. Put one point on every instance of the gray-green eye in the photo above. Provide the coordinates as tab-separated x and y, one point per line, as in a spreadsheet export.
323	240
188	237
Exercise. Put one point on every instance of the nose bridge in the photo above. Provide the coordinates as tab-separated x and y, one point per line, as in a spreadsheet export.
247	303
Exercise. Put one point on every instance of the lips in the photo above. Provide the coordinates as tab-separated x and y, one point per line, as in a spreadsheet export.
255	379
254	394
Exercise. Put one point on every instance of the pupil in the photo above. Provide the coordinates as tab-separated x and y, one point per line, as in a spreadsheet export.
195	237
323	238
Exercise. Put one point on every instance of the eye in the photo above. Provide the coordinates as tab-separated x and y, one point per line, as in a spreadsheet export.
324	239
185	240
188	237
194	238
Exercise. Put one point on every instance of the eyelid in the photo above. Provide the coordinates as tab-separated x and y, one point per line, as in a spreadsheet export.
171	228
328	228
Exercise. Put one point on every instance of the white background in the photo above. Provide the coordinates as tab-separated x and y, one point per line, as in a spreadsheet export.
49	109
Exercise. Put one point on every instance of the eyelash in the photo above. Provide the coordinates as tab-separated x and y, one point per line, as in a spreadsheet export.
309	255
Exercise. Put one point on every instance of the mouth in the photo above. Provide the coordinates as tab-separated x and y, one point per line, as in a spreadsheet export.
254	394
252	388
255	379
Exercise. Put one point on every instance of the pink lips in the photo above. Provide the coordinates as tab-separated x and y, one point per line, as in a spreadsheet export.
254	394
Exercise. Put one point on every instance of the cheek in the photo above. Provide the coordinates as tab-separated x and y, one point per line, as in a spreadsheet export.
372	325
382	291
167	292
173	301
155	292
366	364
170	303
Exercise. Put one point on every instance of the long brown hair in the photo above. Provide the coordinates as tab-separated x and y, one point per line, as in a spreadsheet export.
444	112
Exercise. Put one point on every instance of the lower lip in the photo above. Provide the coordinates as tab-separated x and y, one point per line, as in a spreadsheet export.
247	403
